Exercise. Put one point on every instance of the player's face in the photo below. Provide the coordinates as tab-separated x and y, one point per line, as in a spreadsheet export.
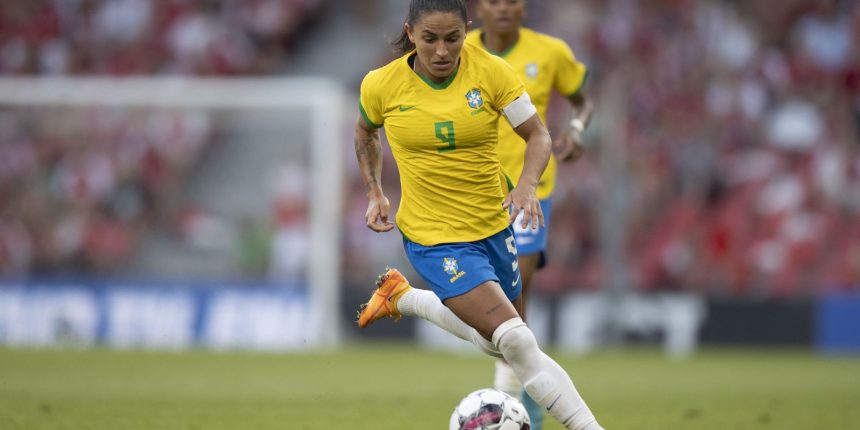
502	16
438	38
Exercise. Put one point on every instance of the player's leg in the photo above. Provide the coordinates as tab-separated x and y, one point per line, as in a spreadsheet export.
505	379
451	270
483	308
488	310
531	246
395	297
544	380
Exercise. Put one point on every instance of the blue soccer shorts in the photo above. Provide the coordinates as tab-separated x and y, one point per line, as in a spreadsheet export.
452	269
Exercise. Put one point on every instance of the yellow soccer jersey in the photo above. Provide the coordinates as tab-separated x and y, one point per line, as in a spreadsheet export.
444	137
542	62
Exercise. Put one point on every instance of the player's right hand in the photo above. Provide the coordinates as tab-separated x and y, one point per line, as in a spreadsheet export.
376	216
524	199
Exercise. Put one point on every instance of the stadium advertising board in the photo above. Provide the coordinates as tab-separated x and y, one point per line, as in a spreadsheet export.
156	316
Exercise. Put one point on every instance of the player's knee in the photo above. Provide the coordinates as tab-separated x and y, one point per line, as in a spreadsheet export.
515	340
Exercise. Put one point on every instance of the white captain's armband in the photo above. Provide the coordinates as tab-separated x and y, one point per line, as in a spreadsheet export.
519	110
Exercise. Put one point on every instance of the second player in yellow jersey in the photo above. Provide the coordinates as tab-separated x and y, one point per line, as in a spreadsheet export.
543	63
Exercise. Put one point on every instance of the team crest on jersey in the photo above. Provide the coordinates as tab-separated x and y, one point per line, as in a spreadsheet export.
531	70
449	265
474	98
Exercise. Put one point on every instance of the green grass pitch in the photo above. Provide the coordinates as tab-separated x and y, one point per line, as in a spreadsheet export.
384	386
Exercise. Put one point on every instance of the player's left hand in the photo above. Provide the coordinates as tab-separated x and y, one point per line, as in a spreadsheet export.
569	146
524	199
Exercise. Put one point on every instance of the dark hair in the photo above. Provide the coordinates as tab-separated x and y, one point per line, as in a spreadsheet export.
420	7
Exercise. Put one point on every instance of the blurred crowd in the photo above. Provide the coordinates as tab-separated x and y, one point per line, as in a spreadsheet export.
130	37
741	156
80	187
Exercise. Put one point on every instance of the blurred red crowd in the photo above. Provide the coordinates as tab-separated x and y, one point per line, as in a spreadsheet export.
129	37
79	187
739	171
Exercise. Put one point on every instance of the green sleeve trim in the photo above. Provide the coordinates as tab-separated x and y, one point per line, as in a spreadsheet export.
581	85
366	119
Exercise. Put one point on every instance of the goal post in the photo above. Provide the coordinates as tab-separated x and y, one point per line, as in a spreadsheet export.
323	99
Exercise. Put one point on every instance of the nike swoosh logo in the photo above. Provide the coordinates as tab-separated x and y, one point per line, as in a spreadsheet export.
553	402
406	108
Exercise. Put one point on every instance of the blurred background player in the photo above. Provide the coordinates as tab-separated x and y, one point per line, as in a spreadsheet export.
440	104
543	63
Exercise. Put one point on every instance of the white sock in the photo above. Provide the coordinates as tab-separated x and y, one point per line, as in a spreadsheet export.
545	381
425	304
506	379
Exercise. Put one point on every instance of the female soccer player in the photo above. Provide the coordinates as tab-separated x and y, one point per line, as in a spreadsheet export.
440	104
543	63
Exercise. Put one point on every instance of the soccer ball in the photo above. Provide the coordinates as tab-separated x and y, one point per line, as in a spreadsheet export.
489	409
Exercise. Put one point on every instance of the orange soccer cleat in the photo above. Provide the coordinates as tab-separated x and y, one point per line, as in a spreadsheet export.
390	287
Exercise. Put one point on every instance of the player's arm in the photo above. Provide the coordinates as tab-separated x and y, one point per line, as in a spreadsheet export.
538	147
368	152
569	146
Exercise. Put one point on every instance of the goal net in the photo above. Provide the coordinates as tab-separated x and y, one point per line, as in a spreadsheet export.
170	212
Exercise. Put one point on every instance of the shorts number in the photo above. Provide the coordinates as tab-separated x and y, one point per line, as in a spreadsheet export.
513	250
445	133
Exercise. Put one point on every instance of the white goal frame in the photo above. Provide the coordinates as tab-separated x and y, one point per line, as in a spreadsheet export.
324	99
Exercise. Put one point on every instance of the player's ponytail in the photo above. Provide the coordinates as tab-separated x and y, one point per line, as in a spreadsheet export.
420	7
